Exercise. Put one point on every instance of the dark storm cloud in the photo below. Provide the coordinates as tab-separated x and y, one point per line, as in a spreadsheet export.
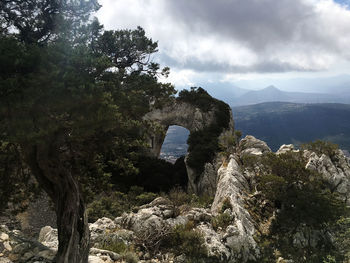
255	23
265	66
241	36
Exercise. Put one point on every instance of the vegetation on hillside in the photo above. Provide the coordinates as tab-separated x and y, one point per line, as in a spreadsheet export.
72	97
297	200
203	144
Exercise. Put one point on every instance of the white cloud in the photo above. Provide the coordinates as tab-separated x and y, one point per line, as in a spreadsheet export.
238	36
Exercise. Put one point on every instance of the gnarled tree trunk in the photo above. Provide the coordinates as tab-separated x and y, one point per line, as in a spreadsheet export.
53	169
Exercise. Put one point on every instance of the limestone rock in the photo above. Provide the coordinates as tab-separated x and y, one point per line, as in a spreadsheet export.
286	148
213	241
187	115
100	226
48	237
94	259
249	145
335	170
18	248
231	187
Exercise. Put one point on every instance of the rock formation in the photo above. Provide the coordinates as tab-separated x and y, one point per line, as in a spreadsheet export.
190	116
234	241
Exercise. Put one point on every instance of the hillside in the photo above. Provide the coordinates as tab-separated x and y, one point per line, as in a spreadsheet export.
279	122
272	94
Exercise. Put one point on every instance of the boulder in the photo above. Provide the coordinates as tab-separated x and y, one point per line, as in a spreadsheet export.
286	148
249	145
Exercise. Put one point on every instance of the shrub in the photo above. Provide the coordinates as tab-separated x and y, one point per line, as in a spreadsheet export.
179	197
117	246
222	220
321	147
203	144
302	194
329	259
342	238
203	200
185	240
113	204
226	204
304	201
130	257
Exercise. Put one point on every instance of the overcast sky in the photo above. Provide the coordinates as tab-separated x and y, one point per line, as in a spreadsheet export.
223	42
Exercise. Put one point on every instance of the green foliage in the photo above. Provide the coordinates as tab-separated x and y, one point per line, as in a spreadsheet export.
329	259
249	161
72	96
223	220
130	257
179	197
117	246
321	147
226	204
185	240
287	183
342	238
304	203
228	144
203	144
17	186
115	203
197	97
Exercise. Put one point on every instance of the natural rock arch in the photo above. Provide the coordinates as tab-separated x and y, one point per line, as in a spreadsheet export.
198	112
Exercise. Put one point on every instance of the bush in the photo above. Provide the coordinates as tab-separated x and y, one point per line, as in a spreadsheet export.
302	194
130	257
226	204
321	147
222	220
303	200
185	240
114	204
117	246
179	197
203	144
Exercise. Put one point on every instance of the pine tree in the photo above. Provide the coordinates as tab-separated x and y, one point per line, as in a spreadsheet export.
68	89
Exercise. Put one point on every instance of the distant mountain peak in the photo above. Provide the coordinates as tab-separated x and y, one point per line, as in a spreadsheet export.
271	87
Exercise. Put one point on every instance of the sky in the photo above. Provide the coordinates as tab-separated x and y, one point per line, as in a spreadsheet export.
220	44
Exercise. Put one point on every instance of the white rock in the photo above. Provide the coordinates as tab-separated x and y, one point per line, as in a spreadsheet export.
48	237
286	148
7	246
95	259
232	186
4	236
249	145
336	171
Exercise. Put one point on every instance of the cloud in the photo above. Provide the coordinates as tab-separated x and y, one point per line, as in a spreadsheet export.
239	36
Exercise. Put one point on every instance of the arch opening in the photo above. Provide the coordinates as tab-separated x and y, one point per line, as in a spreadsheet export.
175	143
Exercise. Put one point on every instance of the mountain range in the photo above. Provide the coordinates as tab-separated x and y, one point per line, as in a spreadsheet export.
273	94
280	123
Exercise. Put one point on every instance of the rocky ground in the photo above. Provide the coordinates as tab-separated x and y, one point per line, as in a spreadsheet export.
227	228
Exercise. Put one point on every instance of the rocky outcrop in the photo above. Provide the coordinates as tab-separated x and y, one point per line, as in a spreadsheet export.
179	113
252	146
286	148
191	117
232	242
335	169
232	188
